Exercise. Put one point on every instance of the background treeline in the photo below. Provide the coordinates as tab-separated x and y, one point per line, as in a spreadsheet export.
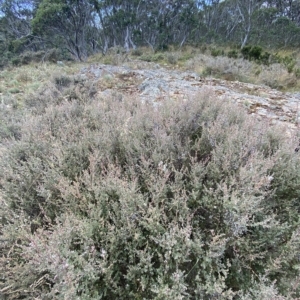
79	28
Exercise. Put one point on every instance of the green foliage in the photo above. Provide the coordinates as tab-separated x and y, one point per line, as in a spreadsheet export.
216	52
233	53
252	52
16	61
288	61
5	58
257	54
186	56
265	58
137	52
104	24
16	46
110	199
68	28
158	57
246	52
146	57
48	12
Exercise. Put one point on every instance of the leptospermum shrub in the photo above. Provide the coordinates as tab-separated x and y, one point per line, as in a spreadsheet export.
118	199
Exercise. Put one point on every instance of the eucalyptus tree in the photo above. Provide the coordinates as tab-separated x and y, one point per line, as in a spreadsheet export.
83	27
66	23
155	23
16	23
278	24
209	14
18	15
119	21
237	19
287	8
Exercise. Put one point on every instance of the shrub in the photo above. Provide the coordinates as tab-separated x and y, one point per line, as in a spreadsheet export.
297	72
252	52
264	58
10	125
146	57
61	80
216	52
288	61
203	48
5	59
192	200
246	52
185	56
172	58
28	57
14	90
46	95
16	61
16	46
53	55
256	52
232	54
137	52
158	57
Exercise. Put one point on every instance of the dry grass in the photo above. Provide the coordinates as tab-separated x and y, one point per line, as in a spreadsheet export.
212	61
221	66
19	82
275	75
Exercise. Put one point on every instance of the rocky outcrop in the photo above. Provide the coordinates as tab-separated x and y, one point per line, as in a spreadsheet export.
154	83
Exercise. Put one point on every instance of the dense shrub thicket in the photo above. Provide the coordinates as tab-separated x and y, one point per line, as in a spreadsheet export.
118	199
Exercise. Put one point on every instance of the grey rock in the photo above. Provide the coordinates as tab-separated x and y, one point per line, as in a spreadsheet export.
159	83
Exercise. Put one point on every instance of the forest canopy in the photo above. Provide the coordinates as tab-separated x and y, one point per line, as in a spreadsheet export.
80	28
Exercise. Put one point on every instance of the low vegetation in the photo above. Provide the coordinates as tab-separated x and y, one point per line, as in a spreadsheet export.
253	64
103	196
279	70
111	198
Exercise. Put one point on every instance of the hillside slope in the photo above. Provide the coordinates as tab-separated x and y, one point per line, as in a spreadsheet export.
144	182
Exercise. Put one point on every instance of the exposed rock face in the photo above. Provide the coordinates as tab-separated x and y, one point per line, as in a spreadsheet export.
153	83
